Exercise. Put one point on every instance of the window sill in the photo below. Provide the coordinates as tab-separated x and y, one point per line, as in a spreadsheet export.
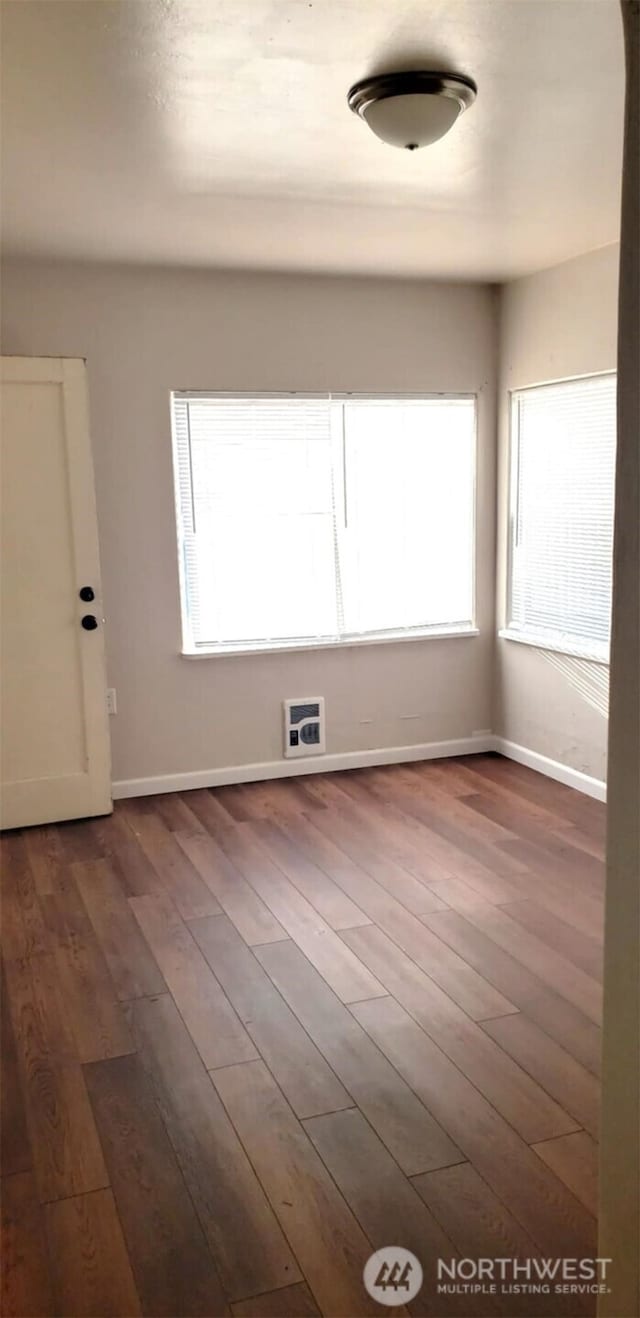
386	638
540	642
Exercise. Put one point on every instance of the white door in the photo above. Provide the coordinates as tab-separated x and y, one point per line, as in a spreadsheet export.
54	734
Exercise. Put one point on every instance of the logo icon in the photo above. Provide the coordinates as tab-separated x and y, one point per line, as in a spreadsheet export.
393	1275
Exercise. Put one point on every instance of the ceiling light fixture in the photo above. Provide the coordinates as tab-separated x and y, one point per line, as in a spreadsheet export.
411	109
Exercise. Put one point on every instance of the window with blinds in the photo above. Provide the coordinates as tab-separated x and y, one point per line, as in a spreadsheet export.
320	520
563	441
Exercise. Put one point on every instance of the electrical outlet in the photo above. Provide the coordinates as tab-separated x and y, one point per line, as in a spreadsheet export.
112	704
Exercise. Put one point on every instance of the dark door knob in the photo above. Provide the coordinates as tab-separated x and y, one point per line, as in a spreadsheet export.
87	594
89	622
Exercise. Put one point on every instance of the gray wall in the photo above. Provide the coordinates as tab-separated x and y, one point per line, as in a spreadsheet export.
145	332
553	325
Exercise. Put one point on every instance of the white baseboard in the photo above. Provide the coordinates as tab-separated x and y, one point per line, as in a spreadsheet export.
562	773
434	750
250	773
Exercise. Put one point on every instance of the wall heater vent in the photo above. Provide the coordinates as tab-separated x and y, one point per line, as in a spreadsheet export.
304	727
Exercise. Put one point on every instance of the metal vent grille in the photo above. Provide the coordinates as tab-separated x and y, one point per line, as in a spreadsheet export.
304	731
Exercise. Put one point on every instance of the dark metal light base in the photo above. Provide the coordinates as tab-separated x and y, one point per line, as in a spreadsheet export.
419	82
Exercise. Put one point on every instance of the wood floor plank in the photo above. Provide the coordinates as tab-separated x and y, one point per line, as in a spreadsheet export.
328	791
45	856
91	1271
66	1151
204	803
25	1279
276	798
452	820
583	841
324	949
581	949
481	1227
172	1265
251	937
573	906
477	996
134	972
449	776
292	1302
328	899
361	842
385	1203
299	1068
404	1125
539	820
175	812
471	770
583	811
547	853
118	843
24	931
78	841
552	855
568	1027
187	890
574	1158
261	798
322	1231
232	800
575	1088
94	1015
457	894
216	1030
567	902
472	824
455	861
474	1218
370	896
518	822
349	784
15	1150
534	821
511	1089
542	1205
244	1236
498	966
463	984
553	969
300	790
358	811
253	920
572	862
564	1022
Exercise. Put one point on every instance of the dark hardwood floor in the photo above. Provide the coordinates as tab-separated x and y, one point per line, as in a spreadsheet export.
252	1034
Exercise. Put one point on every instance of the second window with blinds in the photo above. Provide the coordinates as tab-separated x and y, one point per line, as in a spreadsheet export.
309	521
563	445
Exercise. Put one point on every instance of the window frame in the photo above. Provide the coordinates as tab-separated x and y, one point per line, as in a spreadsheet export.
555	643
192	650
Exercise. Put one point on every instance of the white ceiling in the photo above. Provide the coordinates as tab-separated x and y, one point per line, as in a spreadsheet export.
216	132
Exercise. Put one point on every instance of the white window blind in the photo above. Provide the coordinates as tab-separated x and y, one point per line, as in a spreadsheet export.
562	491
320	520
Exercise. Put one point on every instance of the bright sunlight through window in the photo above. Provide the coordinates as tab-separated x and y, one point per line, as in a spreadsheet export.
323	520
563	444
